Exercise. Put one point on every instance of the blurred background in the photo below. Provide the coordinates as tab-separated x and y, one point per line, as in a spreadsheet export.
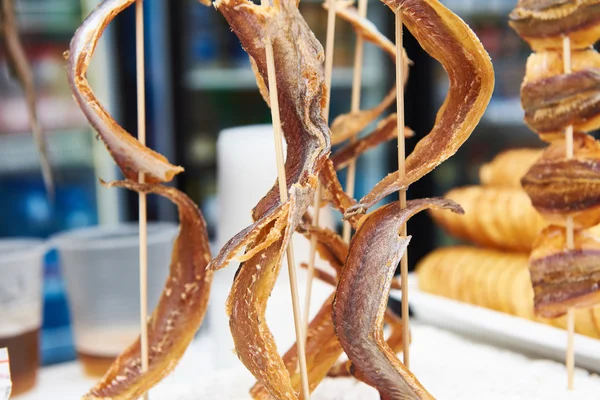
199	82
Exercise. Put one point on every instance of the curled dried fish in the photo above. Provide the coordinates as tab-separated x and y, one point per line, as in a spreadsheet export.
543	23
130	155
552	100
362	295
348	125
386	130
559	187
20	67
448	39
564	278
301	87
180	310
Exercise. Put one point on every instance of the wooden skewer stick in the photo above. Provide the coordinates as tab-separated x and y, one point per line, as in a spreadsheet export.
355	106
141	114
570	356
310	273
283	193
402	174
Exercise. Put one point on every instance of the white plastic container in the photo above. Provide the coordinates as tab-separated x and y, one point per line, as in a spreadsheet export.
100	266
21	276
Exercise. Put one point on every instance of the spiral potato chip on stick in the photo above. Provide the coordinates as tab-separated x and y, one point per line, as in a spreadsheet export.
449	40
560	187
130	155
543	23
564	278
553	100
362	294
179	312
508	167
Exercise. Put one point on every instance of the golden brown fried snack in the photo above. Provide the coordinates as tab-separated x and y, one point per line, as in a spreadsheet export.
508	285
543	23
563	278
130	155
362	295
553	100
180	310
497	217
559	187
448	39
508	167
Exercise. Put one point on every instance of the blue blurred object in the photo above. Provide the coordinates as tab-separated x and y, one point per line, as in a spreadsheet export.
25	210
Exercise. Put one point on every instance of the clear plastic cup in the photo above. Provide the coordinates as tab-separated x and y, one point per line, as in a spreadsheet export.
21	276
100	266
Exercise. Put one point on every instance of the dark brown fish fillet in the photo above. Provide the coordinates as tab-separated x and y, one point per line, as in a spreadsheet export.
130	155
180	310
362	294
449	40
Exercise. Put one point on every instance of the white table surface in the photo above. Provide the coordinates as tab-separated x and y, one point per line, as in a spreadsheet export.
449	366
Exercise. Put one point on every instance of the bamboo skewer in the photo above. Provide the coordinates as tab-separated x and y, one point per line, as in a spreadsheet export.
355	106
283	193
141	115
570	356
402	174
310	273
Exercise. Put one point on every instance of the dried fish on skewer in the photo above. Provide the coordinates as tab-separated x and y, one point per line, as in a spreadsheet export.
449	40
179	312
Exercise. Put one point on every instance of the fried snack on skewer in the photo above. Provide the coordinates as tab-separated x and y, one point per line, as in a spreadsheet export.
553	100
497	217
508	287
130	155
559	187
543	23
21	69
362	295
508	167
348	125
180	310
564	278
448	39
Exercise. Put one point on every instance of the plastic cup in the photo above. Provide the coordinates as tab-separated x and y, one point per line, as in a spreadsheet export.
100	266
21	276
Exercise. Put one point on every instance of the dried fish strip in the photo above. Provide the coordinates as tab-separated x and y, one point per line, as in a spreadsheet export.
180	310
553	100
508	167
362	295
449	40
560	188
20	67
130	155
386	130
543	23
564	278
349	125
298	60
